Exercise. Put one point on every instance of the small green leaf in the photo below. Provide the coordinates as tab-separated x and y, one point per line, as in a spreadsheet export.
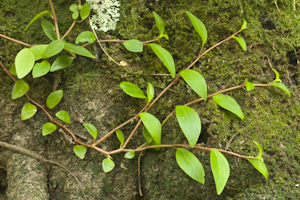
73	7
133	45
199	26
196	81
153	126
281	86
75	15
260	166
108	165
132	90
55	47
244	25
91	129
24	62
277	76
189	122
165	36
80	151
85	36
129	155
220	169
249	86
78	50
120	136
241	41
48	128
40	69
150	92
38	51
64	116
12	69
165	57
49	29
260	149
159	23
85	11
61	62
80	7
38	16
28	111
228	103
190	164
147	135
54	98
20	88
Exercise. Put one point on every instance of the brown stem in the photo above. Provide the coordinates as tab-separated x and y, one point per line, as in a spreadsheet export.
71	27
14	40
139	174
55	20
119	41
131	134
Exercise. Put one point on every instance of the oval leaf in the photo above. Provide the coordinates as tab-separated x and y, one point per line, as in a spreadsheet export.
73	7
108	165
40	69
281	86
120	136
199	26
150	92
228	103
153	126
12	69
49	29
260	166
91	129
61	62
38	51
28	111
129	155
64	116
80	151
55	47
48	128
86	36
196	81
133	45
54	98
75	15
249	86
78	50
132	90
244	25
85	11
159	23
190	164
24	62
220	169
165	57
189	122
20	88
241	41
38	16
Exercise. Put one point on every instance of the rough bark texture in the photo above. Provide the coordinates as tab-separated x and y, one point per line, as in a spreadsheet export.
92	95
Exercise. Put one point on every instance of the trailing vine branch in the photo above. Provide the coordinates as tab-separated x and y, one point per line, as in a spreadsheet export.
55	20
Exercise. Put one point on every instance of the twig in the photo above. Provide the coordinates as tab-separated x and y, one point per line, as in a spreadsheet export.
55	20
139	173
277	7
14	40
71	27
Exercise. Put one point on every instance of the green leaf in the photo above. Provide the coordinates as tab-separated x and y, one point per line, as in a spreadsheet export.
260	166
150	92
153	126
189	122
85	36
85	11
48	128
91	129
38	16
244	25
49	29
228	103
147	135
80	151
220	169
61	62
38	51
132	90
165	57
40	69
73	7
159	23
190	164
196	81
12	69
75	15
199	26
260	149
54	98
241	41
165	36
281	86
64	116
24	62
28	111
108	165
20	88
120	136
249	86
129	155
277	76
55	47
133	45
78	50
